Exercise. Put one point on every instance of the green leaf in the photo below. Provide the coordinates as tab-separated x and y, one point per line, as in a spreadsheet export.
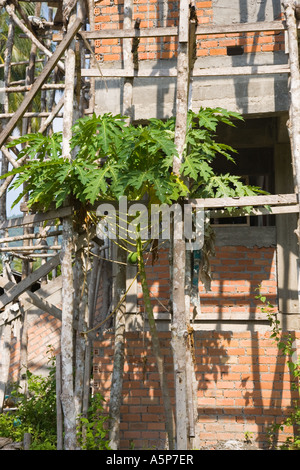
98	183
195	168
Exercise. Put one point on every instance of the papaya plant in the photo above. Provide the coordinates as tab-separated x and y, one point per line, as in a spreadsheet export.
113	159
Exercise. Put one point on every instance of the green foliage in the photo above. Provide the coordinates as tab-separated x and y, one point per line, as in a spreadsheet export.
91	431
9	427
248	436
112	159
36	412
285	346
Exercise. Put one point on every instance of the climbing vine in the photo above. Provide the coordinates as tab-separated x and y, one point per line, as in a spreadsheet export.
285	345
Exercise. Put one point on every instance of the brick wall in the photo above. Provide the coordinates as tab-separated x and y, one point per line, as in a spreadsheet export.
43	334
237	273
156	13
244	385
158	278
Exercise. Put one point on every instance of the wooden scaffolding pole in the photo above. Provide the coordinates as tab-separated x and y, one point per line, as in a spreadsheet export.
26	264
30	35
180	321
293	124
40	80
6	328
119	271
67	344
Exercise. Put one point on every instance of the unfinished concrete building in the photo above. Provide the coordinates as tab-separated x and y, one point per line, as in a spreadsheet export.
240	62
242	382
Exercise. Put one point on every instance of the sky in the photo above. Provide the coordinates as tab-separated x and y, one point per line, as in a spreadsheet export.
12	194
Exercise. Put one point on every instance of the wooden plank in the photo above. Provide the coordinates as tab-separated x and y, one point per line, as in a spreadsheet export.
256	27
12	315
26	283
226	316
36	218
50	292
218	214
210	29
266	200
31	236
107	72
130	49
172	72
246	70
42	304
21	62
33	298
40	81
44	1
29	115
130	33
20	89
183	29
29	248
